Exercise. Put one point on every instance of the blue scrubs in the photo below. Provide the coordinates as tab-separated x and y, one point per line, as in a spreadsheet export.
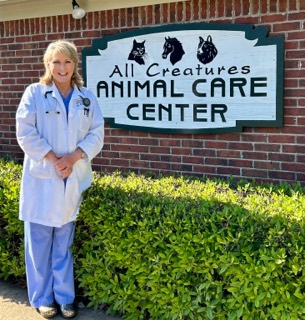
49	260
49	264
67	101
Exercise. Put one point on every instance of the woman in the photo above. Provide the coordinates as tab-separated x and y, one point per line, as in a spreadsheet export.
60	128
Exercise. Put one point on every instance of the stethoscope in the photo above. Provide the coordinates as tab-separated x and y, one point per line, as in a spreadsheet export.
53	109
85	102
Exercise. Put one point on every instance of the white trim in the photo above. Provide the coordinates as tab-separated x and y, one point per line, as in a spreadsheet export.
23	9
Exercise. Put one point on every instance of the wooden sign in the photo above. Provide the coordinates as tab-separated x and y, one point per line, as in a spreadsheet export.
188	78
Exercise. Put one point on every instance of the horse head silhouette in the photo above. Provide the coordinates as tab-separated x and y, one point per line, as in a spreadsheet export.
172	47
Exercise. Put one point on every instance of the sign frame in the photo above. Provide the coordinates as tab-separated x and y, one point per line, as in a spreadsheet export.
251	33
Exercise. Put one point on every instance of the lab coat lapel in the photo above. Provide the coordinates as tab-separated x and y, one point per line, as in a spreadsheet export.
57	96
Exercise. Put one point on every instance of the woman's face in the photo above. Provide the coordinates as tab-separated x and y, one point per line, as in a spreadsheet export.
61	68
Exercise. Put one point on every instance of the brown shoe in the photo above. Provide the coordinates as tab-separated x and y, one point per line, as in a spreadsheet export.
68	311
48	312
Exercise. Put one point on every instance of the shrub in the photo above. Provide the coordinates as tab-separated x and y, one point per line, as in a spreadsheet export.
178	247
11	229
182	248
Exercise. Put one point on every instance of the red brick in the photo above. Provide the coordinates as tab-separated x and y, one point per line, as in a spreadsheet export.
240	163
203	152
188	10
293	5
301	5
237	7
157	14
194	160
254	173
294	92
179	9
200	14
267	165
255	7
254	155
96	20
150	157
220	10
283	5
296	16
181	151
300	177
165	13
216	144
273	6
216	161
228	10
240	146
273	18
282	175
139	149
148	141
267	154
172	12
182	168
204	169
143	14
290	166
138	164
192	143
286	26
213	8
120	163
160	165
228	171
246	7
280	157
170	142
296	149
247	20
150	14
282	139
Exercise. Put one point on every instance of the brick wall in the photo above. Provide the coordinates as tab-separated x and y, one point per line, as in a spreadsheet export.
266	154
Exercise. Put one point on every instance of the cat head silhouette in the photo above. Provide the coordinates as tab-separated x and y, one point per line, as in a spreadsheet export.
138	52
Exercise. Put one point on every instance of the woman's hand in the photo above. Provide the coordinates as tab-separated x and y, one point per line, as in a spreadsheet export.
64	163
53	158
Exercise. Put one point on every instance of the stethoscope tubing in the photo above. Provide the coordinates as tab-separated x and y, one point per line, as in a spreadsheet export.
86	103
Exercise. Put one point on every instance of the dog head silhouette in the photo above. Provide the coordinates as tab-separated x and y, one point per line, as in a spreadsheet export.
206	51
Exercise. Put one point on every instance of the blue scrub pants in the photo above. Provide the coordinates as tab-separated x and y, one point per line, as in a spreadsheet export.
49	264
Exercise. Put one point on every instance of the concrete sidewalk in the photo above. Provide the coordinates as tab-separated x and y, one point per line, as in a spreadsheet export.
14	305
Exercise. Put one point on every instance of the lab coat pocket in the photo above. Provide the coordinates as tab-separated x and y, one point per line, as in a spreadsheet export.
73	194
84	120
42	169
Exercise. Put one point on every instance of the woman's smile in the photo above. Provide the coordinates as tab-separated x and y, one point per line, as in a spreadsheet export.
61	68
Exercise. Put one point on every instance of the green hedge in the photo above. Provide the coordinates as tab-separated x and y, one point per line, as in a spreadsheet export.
11	229
184	248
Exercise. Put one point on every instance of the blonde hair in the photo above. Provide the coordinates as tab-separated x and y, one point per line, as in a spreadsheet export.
65	47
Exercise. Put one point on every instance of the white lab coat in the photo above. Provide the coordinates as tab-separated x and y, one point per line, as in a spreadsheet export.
43	125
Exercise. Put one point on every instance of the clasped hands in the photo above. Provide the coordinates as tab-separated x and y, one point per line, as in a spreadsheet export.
63	163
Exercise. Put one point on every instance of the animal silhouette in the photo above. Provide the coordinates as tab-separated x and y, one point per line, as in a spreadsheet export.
138	53
172	47
206	51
